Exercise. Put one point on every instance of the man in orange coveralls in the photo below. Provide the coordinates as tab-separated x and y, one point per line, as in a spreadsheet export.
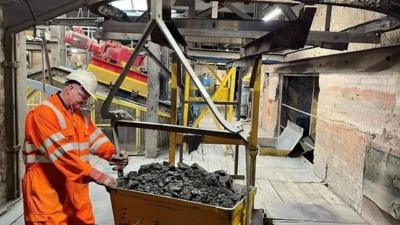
58	140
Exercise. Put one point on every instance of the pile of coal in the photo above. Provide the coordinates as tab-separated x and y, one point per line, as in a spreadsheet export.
184	182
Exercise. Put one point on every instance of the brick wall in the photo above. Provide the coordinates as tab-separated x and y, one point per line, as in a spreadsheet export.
355	110
269	106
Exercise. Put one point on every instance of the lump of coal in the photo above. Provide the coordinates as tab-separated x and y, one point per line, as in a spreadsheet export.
192	183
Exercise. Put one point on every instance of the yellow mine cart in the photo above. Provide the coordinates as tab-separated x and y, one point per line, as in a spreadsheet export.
134	207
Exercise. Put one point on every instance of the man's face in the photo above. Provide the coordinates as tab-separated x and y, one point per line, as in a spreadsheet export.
78	97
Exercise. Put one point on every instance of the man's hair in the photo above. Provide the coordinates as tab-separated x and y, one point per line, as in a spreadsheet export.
68	82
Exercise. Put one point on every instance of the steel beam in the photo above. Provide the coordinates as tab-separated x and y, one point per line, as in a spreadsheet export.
90	22
291	36
242	62
207	139
213	53
342	37
391	8
237	11
230	25
214	40
200	24
177	129
288	12
117	36
19	17
372	60
221	33
380	25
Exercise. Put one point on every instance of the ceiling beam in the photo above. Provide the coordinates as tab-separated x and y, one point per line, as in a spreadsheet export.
371	60
20	15
380	25
237	11
390	8
290	36
214	53
214	40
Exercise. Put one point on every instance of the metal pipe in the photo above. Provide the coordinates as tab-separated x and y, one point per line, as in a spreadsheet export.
46	57
116	143
43	73
248	176
280	78
11	116
298	110
238	111
328	17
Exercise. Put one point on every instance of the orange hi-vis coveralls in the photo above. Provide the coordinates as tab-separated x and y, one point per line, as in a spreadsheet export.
56	156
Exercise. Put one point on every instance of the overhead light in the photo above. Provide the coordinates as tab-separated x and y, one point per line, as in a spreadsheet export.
140	5
272	14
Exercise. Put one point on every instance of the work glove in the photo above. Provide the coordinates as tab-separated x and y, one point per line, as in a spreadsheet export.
119	160
102	178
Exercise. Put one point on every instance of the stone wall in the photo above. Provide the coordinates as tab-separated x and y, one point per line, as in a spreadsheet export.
2	131
21	108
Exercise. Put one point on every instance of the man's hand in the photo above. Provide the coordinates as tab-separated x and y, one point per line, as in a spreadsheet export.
119	160
102	178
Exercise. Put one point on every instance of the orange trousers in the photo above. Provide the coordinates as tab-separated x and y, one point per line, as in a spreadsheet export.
50	199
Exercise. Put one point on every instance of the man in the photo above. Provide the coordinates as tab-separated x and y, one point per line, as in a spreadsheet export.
58	140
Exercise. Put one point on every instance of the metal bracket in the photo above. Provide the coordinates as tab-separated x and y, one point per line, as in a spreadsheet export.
10	64
14	149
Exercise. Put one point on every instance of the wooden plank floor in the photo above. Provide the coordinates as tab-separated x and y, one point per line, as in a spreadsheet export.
288	191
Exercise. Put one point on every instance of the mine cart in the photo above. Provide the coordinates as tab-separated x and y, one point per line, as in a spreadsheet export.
134	207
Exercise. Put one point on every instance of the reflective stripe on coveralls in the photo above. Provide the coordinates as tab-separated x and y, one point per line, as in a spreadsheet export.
50	196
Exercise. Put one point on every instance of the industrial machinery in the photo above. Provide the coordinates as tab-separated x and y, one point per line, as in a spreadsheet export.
108	60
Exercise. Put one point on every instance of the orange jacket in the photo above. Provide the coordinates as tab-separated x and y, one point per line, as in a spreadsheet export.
57	147
55	135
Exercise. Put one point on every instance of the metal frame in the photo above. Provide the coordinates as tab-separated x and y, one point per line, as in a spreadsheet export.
156	21
229	76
